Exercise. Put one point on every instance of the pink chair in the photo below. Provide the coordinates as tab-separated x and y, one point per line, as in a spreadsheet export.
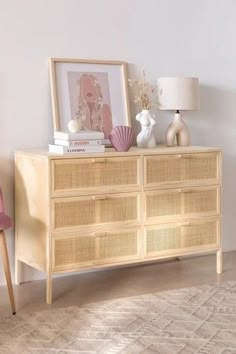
5	223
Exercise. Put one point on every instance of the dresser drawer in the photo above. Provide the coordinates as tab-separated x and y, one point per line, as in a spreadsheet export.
76	212
200	168
174	238
70	252
182	203
82	176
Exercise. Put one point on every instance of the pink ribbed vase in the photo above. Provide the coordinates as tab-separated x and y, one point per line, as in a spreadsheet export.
122	137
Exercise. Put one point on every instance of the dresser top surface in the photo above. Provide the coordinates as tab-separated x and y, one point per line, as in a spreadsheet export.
134	151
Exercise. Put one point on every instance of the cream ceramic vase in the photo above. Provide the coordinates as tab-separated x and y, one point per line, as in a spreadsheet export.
74	125
146	138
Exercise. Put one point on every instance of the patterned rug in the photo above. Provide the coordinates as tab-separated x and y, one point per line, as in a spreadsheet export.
194	320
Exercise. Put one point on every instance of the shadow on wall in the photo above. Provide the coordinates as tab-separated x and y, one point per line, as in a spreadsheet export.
215	122
30	225
133	72
6	182
32	243
215	125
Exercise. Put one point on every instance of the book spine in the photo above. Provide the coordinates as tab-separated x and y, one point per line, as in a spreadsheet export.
83	149
72	143
78	136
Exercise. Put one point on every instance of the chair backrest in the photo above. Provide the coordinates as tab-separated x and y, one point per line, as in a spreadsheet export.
1	202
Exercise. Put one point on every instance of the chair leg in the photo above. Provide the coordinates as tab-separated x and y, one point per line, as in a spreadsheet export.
6	265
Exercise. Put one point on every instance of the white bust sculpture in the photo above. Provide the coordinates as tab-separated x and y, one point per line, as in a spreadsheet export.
146	138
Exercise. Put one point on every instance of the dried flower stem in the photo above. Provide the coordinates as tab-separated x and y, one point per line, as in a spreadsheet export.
142	92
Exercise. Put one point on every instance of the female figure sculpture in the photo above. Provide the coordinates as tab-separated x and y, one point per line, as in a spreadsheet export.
146	138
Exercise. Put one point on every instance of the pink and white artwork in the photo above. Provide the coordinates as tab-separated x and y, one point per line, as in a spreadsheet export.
90	100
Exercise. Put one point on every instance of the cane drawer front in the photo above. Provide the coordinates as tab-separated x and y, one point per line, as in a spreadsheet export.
177	238
117	246
78	176
182	203
76	212
182	168
70	252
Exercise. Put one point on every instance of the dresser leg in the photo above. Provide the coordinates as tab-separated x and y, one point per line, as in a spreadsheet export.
219	261
49	289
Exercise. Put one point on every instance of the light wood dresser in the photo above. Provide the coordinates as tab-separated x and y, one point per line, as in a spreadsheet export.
76	212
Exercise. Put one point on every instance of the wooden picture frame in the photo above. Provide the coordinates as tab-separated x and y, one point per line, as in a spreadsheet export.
95	90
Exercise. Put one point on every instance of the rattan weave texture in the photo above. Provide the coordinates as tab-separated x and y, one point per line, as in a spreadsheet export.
179	237
74	250
173	202
77	174
189	167
92	249
87	211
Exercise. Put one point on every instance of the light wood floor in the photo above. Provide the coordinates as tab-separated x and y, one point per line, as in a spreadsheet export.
114	283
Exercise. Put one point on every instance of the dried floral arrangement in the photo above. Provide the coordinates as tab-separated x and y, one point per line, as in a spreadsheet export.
143	92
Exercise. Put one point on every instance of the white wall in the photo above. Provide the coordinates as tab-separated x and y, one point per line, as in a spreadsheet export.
167	37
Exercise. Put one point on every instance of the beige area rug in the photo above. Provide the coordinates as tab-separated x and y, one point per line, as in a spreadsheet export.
194	320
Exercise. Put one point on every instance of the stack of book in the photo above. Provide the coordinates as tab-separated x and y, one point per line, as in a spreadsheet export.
84	141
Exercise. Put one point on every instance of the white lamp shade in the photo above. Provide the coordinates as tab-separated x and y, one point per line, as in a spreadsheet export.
178	93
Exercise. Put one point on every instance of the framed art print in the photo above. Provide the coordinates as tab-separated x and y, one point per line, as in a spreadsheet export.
93	89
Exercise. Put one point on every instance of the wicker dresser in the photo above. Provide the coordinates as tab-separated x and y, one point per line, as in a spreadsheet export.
76	212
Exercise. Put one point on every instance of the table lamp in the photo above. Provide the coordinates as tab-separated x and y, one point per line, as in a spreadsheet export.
178	94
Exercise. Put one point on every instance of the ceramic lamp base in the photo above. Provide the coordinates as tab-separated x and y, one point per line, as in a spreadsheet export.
179	130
